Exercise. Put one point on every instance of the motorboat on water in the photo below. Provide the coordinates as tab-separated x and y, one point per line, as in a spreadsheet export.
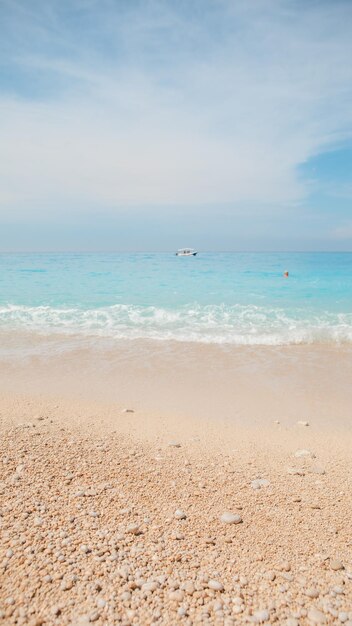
186	252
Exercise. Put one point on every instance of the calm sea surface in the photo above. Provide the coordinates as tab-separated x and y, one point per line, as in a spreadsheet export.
237	298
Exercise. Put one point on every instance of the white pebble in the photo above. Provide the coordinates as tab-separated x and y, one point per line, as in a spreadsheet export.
177	595
295	471
336	565
312	593
299	454
215	585
133	529
182	611
317	469
316	616
55	610
261	616
179	514
149	586
66	585
84	548
338	590
258	483
230	518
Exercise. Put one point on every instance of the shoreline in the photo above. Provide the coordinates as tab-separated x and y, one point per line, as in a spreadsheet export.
251	386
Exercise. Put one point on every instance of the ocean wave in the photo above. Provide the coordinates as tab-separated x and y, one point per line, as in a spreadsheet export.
236	324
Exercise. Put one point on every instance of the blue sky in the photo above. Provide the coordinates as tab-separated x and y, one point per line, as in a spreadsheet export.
154	124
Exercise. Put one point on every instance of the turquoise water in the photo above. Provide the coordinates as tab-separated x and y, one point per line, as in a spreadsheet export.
238	298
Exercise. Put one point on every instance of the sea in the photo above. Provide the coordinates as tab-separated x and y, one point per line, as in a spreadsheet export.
220	298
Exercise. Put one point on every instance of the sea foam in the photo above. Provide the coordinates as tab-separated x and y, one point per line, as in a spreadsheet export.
237	324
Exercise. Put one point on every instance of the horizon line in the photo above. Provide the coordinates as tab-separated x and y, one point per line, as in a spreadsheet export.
173	253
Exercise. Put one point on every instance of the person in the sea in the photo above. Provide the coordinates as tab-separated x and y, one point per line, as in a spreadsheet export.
285	274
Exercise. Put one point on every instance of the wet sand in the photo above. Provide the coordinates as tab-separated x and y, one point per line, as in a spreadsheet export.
117	517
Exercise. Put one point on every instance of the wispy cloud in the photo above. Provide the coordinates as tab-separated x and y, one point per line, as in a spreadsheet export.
343	232
116	104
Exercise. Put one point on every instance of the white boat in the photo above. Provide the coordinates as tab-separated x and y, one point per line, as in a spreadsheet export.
186	252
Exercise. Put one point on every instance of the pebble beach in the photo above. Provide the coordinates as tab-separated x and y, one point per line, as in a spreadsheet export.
111	516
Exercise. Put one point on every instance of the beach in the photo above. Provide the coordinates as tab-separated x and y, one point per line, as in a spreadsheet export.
175	313
166	483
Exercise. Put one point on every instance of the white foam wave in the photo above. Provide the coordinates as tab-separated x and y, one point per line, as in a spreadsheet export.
237	324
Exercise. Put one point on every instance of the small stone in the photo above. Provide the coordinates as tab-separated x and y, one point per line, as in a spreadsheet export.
133	529
338	590
178	536
150	586
291	621
126	511
125	596
231	518
343	617
84	548
81	620
302	423
55	610
9	553
66	585
260	616
188	587
316	469
238	609
295	471
312	593
37	521
174	444
336	565
101	603
301	454
258	483
179	514
176	596
93	617
316	616
286	566
215	585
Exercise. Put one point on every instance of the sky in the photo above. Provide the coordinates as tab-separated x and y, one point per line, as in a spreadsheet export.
156	124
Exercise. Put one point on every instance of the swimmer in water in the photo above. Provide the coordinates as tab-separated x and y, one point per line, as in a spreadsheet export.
285	274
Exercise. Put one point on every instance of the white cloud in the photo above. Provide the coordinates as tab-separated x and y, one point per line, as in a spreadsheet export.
156	106
343	232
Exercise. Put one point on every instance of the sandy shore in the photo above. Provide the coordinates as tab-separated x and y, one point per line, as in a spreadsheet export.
117	517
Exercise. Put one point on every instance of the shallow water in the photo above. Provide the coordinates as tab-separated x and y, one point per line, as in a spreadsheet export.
234	298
